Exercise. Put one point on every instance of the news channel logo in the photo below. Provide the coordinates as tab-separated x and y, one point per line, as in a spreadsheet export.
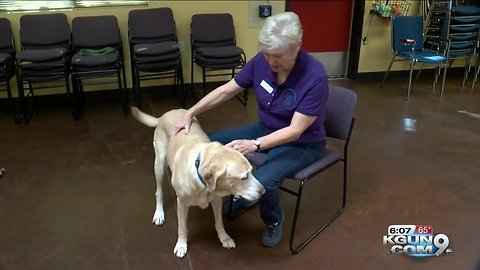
416	241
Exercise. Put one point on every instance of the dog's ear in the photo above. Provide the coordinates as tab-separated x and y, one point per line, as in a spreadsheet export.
212	166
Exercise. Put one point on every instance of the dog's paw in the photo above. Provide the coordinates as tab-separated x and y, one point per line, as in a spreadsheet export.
158	218
2	171
228	243
180	249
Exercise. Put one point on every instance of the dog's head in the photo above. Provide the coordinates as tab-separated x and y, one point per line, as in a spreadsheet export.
226	171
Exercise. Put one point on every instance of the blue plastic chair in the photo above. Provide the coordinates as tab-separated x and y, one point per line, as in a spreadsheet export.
407	45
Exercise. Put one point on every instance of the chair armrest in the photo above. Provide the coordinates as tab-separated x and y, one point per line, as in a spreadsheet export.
407	42
441	45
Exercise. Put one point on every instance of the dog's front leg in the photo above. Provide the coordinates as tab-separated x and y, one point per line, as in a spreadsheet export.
227	241
159	169
182	212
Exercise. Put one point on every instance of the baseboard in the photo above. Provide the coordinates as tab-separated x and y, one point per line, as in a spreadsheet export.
378	76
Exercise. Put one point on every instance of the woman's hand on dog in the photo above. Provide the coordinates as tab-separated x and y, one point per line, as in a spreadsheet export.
243	146
183	123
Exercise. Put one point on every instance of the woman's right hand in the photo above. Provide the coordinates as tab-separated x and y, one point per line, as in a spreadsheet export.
183	122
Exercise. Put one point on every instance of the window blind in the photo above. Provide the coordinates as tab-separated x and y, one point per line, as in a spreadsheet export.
106	3
32	5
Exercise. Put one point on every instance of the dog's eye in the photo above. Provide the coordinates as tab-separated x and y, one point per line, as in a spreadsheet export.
245	177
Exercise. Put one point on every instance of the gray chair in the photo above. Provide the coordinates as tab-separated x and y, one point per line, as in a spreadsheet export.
98	56
7	64
44	58
339	123
154	51
215	51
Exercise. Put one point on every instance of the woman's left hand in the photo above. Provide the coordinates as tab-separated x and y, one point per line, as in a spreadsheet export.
243	146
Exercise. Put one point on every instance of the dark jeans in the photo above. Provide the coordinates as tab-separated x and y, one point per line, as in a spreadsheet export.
282	161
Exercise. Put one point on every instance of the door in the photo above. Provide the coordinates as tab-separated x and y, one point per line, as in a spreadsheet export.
326	31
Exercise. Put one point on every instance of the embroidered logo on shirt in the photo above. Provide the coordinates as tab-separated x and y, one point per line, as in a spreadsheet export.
290	97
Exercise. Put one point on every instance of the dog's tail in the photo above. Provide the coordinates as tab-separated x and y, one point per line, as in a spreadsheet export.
144	118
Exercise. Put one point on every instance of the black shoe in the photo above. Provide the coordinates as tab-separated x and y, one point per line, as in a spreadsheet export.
238	204
273	233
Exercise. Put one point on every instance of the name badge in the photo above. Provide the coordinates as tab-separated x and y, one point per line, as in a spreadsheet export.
266	86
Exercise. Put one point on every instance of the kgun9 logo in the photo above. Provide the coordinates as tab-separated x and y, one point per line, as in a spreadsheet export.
416	241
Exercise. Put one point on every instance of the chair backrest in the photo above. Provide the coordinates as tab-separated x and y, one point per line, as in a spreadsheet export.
404	27
339	112
95	32
151	25
212	30
44	31
6	37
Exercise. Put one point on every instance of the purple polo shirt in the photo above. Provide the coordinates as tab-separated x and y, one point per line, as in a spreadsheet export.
304	91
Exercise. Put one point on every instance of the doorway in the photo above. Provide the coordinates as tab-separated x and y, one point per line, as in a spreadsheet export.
326	31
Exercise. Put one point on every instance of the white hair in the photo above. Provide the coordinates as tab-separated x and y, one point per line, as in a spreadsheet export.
280	31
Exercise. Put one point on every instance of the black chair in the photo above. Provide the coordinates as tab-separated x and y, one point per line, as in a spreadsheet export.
7	64
44	58
407	45
339	123
98	54
214	49
154	51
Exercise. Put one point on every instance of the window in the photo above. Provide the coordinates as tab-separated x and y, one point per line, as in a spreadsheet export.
25	5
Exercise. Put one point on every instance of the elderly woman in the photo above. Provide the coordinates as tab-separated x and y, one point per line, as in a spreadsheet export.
291	89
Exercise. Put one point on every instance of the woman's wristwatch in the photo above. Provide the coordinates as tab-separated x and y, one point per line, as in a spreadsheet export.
257	144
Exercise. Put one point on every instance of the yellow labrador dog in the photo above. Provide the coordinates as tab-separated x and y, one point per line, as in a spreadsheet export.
202	172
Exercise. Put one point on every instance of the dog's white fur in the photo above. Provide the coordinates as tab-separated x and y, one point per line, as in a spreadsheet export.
225	171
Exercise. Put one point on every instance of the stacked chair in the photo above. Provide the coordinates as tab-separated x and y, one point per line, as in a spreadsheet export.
44	59
462	29
98	54
154	51
460	24
214	49
7	64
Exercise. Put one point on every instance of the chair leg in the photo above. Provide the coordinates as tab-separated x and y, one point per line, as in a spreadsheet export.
410	80
388	71
466	71
179	87
418	73
76	100
17	115
204	82
27	107
304	243
72	99
137	89
443	81
192	62
475	75
123	92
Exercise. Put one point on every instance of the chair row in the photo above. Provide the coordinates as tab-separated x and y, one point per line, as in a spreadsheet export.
51	55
